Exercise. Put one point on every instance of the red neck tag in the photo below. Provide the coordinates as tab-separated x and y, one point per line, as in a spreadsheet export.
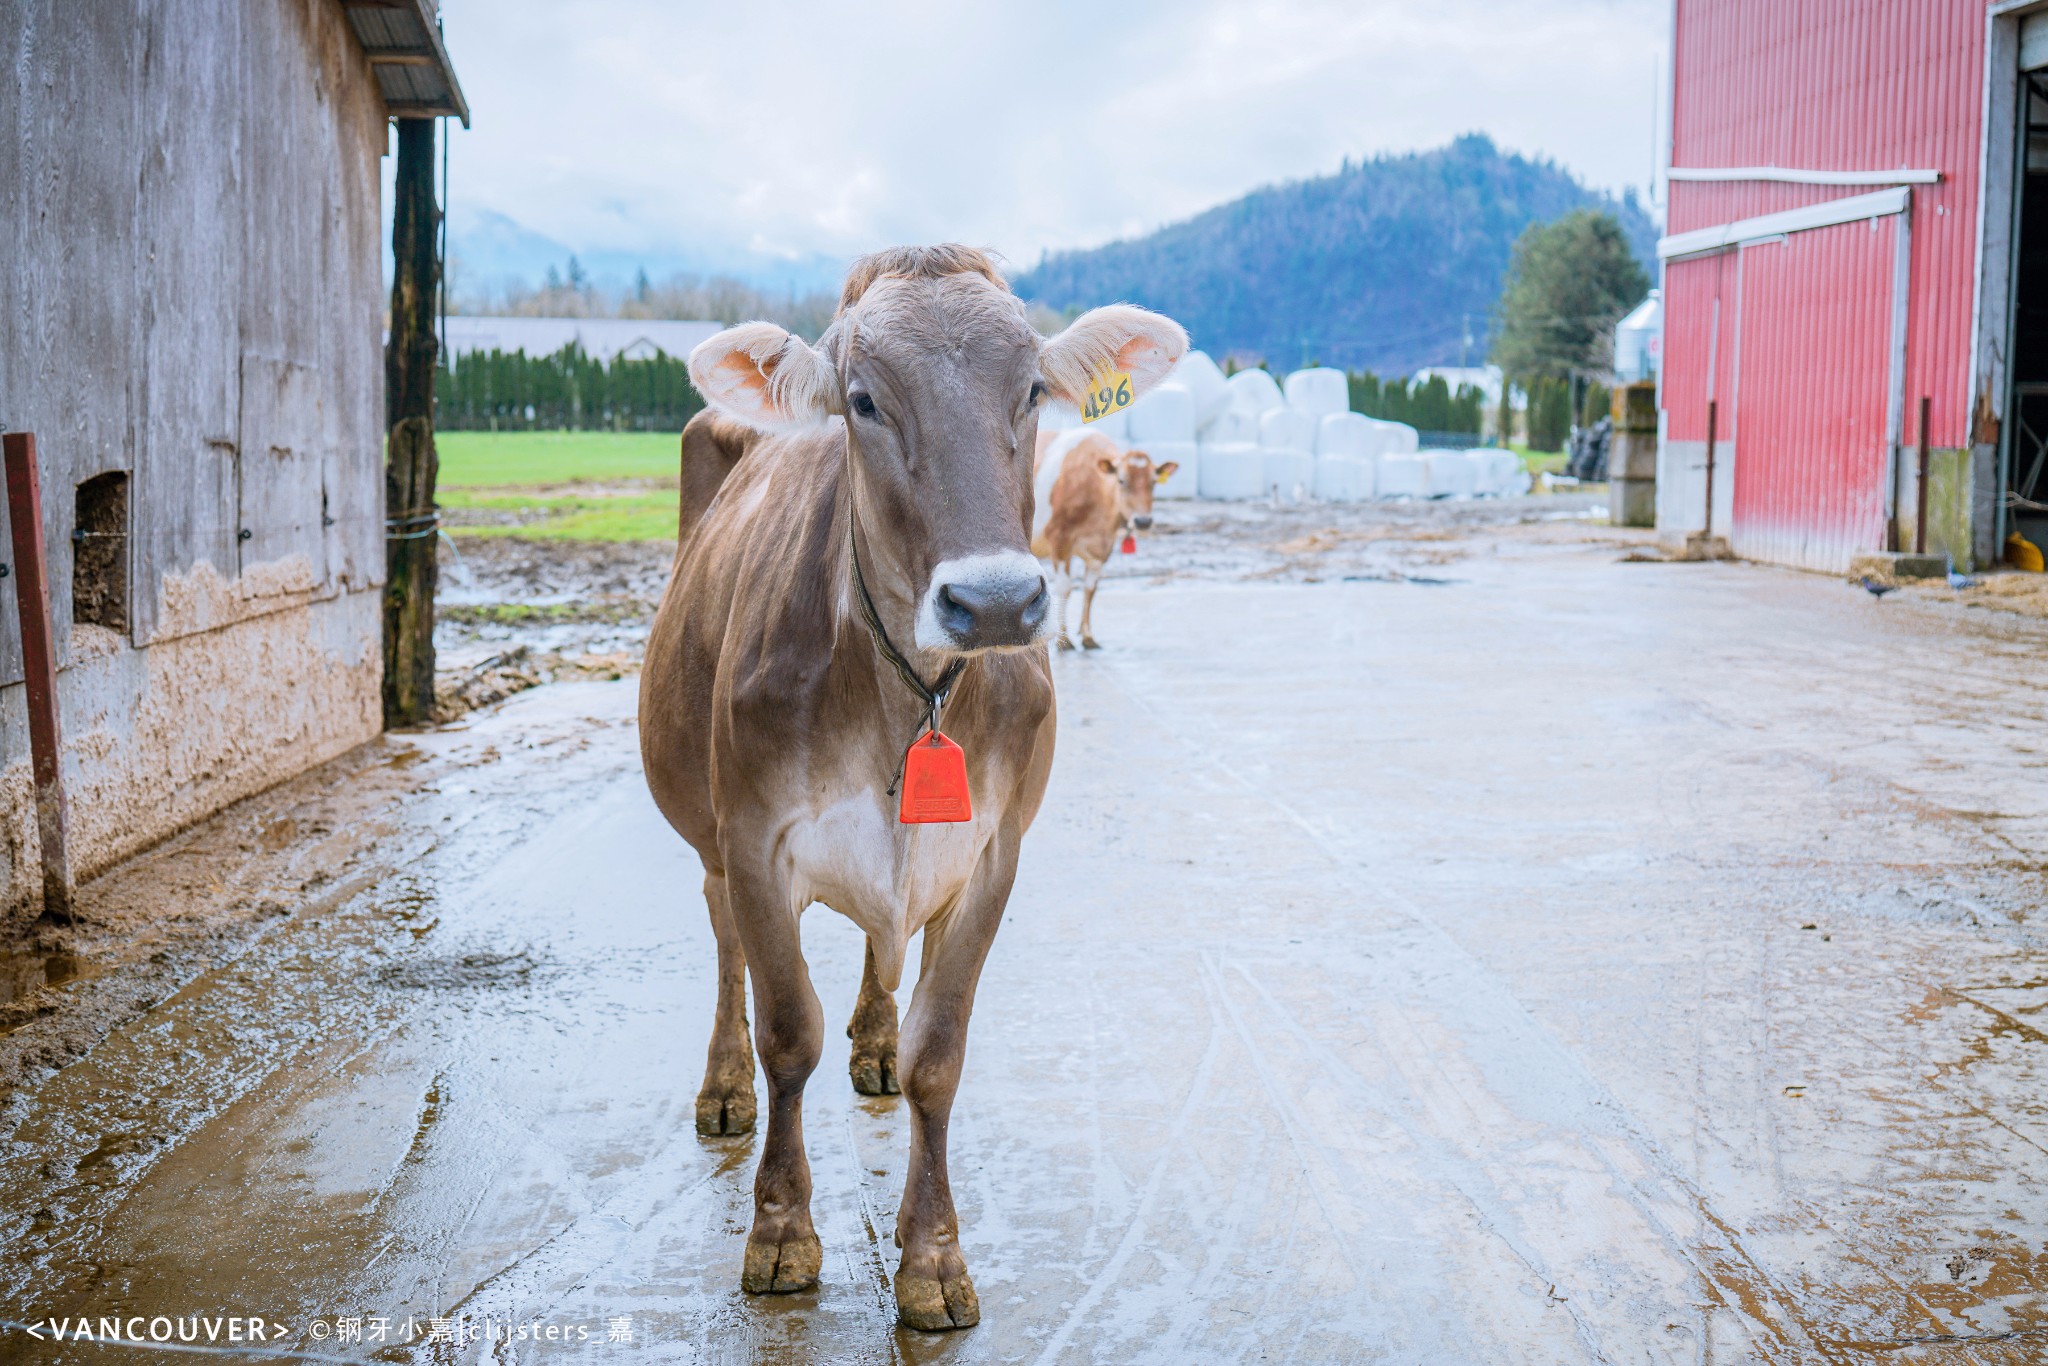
934	782
1130	545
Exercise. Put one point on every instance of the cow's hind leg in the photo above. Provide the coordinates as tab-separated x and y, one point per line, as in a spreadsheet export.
782	1248
1094	579
933	1289
873	1031
725	1104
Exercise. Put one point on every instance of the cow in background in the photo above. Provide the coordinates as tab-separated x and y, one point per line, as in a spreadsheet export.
1091	496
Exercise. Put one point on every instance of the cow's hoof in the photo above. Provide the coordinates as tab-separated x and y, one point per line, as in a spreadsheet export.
935	1306
1064	643
874	1070
781	1268
725	1109
1090	643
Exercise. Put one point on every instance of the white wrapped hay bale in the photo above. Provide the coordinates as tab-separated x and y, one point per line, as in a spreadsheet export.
1288	440
1289	473
1518	480
1255	391
1231	427
1318	392
1165	414
1342	478
1231	469
1501	474
1346	434
1205	381
1401	476
1397	438
1186	478
1452	474
1284	429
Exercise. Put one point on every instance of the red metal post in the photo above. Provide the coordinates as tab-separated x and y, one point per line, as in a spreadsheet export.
39	668
1920	484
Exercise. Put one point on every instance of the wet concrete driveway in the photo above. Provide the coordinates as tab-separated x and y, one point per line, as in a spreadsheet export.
1573	962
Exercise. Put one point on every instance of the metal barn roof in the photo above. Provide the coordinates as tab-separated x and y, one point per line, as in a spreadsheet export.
403	41
602	339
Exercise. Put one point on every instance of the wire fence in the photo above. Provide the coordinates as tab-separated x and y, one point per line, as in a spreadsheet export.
1452	441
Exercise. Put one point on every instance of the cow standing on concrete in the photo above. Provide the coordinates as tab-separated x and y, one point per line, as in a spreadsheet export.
1095	496
859	571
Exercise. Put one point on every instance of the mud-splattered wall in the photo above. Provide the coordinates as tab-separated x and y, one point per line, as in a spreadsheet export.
191	292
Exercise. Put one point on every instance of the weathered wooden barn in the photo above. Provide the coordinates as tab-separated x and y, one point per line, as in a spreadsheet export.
191	314
1858	235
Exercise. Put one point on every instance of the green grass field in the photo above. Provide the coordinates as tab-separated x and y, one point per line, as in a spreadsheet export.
472	460
1536	462
520	477
516	484
599	517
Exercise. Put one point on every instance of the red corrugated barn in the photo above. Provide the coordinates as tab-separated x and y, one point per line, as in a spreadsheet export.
1858	233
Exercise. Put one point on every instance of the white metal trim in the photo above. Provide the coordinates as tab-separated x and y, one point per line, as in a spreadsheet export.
1895	398
1823	215
1792	176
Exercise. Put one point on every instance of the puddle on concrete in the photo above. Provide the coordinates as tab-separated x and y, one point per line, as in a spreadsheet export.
23	972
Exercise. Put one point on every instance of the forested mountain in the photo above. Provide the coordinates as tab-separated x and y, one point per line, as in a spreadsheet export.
1381	266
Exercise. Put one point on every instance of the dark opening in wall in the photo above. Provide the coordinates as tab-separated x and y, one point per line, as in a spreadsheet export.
99	552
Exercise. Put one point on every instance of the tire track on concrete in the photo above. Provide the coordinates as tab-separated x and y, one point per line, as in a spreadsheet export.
1739	1278
1174	1145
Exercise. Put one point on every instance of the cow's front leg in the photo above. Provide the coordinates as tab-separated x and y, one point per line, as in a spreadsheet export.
933	1289
1088	641
725	1103
873	1031
782	1249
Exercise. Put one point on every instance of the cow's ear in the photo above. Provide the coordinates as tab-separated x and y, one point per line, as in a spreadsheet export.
1106	465
766	378
1143	344
1165	472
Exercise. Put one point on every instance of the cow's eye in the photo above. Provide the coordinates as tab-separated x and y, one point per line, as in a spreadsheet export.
864	405
1037	393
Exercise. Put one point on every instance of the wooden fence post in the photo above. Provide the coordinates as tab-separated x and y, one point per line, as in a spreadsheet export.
411	463
39	670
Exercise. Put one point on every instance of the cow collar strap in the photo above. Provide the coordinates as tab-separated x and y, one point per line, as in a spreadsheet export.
935	695
933	777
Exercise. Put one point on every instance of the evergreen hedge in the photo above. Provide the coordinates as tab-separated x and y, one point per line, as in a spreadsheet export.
510	391
1426	405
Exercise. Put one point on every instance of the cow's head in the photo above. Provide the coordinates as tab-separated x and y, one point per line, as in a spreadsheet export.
939	378
1135	477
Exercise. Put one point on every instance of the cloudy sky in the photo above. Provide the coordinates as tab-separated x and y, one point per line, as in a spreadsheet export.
748	133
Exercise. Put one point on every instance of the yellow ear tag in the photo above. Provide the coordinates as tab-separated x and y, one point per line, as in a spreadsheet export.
1109	392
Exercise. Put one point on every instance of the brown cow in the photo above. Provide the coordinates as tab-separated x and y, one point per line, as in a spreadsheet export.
861	568
1098	496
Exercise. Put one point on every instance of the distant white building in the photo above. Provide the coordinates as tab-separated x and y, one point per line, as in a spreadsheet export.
602	339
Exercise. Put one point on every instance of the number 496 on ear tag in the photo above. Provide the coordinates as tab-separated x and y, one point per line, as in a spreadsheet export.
1109	392
934	782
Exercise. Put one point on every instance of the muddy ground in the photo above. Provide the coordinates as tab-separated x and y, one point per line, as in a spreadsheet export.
1452	935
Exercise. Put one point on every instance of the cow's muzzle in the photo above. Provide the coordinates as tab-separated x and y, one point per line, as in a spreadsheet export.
985	602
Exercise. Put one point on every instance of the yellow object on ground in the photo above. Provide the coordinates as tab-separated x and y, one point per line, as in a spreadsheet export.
2022	553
